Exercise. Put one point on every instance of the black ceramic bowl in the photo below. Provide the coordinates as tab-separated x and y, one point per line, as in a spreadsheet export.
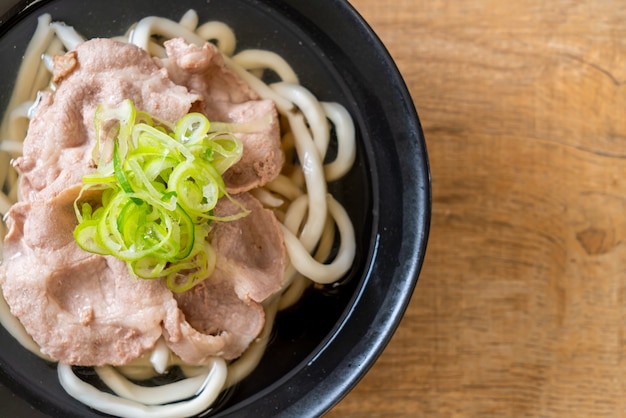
324	345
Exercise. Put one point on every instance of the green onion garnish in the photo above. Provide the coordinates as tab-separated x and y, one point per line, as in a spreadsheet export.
156	186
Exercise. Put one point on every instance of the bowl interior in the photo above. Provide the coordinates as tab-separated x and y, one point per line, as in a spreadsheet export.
323	345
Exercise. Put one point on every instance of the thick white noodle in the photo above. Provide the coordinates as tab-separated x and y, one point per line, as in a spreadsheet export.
315	182
263	90
267	198
137	372
151	395
297	282
68	35
114	405
311	268
5	204
253	59
296	214
143	368
13	148
313	112
325	246
148	26
42	80
18	121
189	20
294	292
221	34
40	41
285	187
159	359
346	141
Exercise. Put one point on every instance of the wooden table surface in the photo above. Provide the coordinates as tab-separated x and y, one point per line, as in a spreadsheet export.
520	310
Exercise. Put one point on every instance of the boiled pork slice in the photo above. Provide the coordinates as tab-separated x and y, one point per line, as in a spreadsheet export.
86	309
252	268
251	259
226	98
80	308
61	136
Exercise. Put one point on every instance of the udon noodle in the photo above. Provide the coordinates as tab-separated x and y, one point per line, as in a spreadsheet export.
309	215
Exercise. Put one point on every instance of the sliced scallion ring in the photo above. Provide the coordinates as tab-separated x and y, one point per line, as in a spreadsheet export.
158	185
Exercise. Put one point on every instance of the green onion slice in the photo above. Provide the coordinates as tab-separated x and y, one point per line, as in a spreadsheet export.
158	184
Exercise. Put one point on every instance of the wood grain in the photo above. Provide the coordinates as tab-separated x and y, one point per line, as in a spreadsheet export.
520	310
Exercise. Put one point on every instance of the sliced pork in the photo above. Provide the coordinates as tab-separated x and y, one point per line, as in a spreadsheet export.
86	309
80	308
228	99
212	321
250	257
57	149
254	267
